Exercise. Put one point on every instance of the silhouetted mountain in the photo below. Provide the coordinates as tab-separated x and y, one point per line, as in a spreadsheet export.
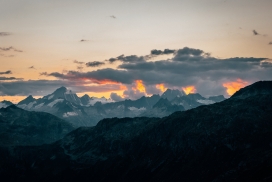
226	141
258	88
5	103
20	127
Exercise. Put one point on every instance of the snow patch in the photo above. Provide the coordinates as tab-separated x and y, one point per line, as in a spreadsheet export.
137	109
50	97
51	104
30	105
39	106
68	114
206	102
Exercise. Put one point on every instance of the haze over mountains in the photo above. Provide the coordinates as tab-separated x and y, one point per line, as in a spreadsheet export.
87	111
225	141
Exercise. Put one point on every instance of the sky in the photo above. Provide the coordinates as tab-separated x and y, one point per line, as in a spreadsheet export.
124	49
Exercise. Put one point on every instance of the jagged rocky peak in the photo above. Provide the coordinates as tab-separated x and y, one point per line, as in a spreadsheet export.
85	99
5	103
195	96
163	102
27	100
64	93
258	88
171	94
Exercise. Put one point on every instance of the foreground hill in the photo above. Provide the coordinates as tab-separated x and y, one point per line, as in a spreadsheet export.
20	127
226	141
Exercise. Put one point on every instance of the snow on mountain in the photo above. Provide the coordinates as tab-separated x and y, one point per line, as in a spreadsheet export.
171	94
91	101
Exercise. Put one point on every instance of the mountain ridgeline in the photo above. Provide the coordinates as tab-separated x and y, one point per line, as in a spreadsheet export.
87	111
226	141
20	127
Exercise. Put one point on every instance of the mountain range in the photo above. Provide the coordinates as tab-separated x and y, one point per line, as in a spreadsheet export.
21	127
225	141
87	111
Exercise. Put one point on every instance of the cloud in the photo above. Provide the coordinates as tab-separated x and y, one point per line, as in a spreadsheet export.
112	16
94	64
9	49
5	72
7	56
31	67
188	66
159	52
116	97
128	59
2	34
45	87
270	43
255	32
83	40
9	78
78	62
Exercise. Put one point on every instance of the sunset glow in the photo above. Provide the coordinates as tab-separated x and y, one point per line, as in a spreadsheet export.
189	89
232	87
140	86
161	87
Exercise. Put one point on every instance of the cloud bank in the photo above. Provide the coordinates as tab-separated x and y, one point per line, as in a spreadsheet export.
187	67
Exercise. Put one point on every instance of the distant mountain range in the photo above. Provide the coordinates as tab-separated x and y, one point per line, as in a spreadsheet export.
226	141
87	111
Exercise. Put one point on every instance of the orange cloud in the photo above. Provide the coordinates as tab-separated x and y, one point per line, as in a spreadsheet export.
189	89
139	86
161	87
232	87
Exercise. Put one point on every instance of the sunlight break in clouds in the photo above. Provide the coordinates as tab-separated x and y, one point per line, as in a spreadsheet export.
139	86
161	87
189	89
232	87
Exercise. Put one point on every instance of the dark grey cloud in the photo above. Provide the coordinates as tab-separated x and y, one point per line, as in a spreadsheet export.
4	34
255	32
94	64
43	74
83	40
5	72
78	62
116	97
98	76
31	67
9	78
159	52
9	49
270	43
112	16
45	87
129	59
187	67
